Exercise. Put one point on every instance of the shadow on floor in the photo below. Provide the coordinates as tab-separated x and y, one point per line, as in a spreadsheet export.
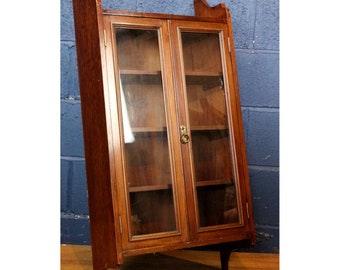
160	261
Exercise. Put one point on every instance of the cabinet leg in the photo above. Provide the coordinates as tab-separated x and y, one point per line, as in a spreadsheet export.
224	256
226	249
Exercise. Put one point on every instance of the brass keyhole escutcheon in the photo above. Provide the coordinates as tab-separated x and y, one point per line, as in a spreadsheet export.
185	138
184	135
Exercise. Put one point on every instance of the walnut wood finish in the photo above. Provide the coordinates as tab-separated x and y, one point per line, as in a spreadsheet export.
202	9
89	40
116	231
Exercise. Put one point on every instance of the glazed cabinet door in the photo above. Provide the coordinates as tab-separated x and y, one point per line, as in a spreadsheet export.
150	192
209	116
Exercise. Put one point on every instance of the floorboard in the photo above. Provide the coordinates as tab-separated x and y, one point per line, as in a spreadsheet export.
75	257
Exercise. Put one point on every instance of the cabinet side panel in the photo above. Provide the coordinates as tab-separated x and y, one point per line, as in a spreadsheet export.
240	129
88	28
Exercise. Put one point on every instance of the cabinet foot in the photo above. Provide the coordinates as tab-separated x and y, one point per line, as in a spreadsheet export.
224	256
227	248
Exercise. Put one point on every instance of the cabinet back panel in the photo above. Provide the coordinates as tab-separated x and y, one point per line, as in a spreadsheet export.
147	160
152	212
217	205
201	52
145	103
206	107
138	49
212	161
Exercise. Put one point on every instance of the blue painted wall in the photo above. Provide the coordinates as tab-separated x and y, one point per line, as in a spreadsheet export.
256	34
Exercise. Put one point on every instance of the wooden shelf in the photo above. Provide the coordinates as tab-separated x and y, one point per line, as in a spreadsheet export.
150	188
205	183
139	72
194	73
141	76
209	128
211	132
209	80
148	129
216	182
193	128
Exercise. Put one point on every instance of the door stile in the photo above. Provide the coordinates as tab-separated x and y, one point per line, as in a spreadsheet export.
183	117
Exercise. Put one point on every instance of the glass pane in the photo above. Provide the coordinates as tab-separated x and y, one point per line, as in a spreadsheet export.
147	161
214	176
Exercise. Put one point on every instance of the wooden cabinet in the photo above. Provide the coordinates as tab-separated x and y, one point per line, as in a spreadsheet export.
164	144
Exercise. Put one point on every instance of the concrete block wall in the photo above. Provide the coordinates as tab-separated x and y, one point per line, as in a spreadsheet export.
256	34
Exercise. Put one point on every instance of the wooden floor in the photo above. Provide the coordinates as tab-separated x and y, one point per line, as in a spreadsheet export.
75	257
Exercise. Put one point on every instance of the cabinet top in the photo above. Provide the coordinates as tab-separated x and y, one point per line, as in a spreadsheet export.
203	12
